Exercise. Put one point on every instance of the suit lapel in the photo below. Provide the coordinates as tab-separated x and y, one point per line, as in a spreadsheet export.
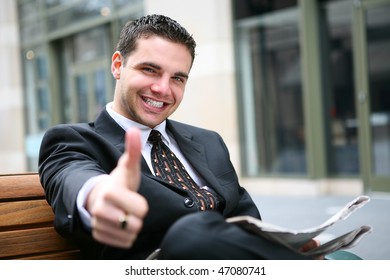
110	130
195	154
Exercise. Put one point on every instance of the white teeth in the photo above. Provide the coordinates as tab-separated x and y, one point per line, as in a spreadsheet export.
157	104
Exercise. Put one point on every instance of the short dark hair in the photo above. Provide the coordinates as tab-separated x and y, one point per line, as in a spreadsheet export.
149	25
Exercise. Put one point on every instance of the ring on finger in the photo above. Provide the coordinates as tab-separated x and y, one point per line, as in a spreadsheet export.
123	222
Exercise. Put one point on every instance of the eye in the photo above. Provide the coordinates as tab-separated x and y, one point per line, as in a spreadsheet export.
148	70
179	79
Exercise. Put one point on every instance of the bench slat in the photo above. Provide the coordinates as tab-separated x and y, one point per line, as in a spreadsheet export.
38	241
25	214
26	222
64	255
19	187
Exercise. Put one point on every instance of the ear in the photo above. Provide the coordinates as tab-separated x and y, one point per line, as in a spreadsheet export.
116	65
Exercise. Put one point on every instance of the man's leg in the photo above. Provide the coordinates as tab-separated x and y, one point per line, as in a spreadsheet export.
206	235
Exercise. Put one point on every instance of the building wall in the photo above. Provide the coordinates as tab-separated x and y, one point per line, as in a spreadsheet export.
12	157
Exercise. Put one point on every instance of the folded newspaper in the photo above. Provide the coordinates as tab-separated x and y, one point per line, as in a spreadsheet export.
294	239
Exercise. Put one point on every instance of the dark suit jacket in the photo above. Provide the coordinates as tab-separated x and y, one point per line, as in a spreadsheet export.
71	154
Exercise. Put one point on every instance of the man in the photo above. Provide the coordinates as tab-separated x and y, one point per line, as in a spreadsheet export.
106	191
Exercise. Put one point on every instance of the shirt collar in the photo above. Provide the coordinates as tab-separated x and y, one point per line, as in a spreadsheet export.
126	123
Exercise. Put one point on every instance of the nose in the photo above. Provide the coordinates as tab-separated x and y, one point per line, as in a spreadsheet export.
161	86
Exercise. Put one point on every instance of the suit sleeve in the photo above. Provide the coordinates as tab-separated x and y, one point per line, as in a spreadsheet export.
67	159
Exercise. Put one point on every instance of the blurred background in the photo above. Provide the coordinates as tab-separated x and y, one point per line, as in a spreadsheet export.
299	90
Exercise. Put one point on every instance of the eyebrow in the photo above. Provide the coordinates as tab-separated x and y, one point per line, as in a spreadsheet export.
156	66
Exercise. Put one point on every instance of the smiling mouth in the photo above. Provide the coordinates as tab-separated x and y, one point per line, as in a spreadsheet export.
153	103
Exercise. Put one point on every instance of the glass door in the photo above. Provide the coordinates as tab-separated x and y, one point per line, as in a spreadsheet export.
271	91
90	93
372	78
89	82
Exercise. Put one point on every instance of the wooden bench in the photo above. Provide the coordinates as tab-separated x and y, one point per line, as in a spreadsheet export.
26	222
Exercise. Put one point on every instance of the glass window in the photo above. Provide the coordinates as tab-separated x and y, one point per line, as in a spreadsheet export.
38	113
67	13
82	98
31	23
42	73
85	60
339	90
58	3
28	9
100	90
271	94
38	99
247	8
89	45
43	109
127	3
378	42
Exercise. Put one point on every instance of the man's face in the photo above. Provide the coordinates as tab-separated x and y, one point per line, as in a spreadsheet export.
150	85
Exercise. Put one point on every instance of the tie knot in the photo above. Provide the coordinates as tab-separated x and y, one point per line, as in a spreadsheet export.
154	136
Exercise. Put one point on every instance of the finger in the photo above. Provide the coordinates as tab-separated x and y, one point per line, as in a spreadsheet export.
116	204
110	232
313	243
114	237
133	224
130	202
114	241
108	201
125	201
133	147
133	163
128	171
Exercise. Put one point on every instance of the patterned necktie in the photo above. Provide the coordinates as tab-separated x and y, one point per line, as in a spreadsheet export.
168	167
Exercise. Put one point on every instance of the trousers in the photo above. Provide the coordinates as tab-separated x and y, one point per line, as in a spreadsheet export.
207	236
